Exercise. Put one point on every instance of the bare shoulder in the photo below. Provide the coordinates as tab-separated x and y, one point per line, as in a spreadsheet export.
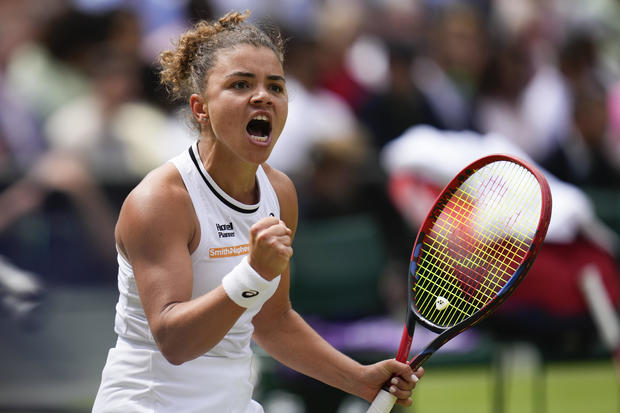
287	195
159	203
162	188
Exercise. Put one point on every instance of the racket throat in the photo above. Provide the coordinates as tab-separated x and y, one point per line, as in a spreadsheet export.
406	339
439	341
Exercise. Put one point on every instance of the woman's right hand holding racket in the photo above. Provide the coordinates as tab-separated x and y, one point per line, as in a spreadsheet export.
270	247
401	380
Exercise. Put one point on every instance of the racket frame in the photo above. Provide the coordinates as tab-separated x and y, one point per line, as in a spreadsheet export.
449	332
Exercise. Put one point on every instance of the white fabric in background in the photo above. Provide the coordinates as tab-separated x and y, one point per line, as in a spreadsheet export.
440	155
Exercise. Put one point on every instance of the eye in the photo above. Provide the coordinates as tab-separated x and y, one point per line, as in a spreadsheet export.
276	88
240	84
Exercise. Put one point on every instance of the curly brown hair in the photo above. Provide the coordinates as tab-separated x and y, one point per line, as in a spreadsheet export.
185	69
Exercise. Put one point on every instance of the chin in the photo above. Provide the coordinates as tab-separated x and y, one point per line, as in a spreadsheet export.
258	158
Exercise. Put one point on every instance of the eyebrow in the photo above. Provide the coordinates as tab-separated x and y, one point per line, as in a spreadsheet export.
252	75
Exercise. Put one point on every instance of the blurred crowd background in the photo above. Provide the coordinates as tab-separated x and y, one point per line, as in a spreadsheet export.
83	116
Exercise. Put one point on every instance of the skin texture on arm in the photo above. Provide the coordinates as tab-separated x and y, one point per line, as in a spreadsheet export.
281	332
157	230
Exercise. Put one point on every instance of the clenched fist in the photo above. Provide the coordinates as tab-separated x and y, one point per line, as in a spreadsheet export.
270	247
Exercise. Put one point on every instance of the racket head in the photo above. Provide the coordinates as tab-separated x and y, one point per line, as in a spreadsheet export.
477	242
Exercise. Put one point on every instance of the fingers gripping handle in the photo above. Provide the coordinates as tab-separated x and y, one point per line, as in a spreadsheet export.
383	402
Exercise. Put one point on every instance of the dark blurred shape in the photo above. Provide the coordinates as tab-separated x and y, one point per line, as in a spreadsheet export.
70	36
199	10
387	114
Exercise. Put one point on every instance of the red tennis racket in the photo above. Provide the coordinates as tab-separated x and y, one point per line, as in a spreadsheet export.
474	248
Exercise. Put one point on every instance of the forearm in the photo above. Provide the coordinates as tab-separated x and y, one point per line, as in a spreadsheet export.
295	344
186	330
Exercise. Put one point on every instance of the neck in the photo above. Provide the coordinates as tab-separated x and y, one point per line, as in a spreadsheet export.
234	176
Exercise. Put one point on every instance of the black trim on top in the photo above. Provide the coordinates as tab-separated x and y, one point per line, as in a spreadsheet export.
215	192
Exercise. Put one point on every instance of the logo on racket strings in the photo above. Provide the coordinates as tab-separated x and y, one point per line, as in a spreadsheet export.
441	303
249	293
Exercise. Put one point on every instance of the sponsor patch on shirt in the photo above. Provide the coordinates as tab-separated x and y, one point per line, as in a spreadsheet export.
233	251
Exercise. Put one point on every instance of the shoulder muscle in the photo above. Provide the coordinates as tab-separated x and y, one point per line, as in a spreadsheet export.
159	209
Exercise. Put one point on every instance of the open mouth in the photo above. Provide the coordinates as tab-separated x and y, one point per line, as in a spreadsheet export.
259	128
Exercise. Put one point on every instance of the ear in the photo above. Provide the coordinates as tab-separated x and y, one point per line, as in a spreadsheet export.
199	108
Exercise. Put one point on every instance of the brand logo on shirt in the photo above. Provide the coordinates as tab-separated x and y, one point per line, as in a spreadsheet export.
225	230
249	293
234	251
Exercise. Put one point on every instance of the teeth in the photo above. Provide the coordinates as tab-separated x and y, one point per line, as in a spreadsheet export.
261	117
259	138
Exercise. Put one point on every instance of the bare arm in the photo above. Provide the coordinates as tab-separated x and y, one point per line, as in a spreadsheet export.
281	332
157	229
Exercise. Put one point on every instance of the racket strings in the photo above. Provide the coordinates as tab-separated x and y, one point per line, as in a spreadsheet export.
462	277
478	240
467	286
485	258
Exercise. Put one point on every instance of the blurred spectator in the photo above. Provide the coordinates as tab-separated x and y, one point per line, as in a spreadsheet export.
332	187
549	94
588	156
388	113
112	137
49	71
61	174
116	128
338	25
315	114
97	140
111	129
199	10
21	292
524	101
300	14
344	180
20	137
450	66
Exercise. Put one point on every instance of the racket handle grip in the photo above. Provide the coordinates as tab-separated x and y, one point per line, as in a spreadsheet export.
383	402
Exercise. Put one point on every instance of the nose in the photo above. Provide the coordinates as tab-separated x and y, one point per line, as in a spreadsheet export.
261	96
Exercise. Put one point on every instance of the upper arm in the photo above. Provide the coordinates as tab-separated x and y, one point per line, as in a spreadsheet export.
279	303
155	228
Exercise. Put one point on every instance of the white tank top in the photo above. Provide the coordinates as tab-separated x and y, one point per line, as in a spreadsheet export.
224	240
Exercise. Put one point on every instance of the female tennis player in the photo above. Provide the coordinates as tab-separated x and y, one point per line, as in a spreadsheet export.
204	244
